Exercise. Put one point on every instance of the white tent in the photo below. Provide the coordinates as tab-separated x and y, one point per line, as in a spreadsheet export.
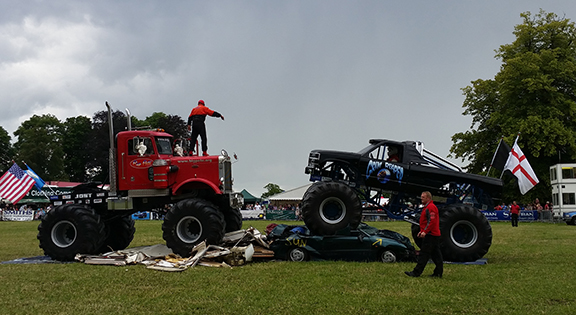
289	196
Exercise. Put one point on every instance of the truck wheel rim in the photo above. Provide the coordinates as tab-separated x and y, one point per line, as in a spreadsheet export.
297	254
63	234
189	229
464	234
332	210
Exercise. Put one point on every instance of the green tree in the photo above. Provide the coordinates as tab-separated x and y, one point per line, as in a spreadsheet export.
154	120
6	150
271	189
75	145
97	166
533	94
172	124
40	146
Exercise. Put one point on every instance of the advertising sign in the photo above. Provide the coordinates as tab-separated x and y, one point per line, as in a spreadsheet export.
502	215
18	215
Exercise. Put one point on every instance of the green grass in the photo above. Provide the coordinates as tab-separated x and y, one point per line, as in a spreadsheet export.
530	270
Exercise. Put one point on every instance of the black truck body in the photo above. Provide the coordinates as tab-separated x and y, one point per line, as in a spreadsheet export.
400	172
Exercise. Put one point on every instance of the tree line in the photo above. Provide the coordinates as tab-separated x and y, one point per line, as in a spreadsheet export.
76	149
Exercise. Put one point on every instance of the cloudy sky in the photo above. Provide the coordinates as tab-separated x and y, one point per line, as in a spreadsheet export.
289	76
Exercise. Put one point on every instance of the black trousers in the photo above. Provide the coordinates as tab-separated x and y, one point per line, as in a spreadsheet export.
430	250
199	128
514	219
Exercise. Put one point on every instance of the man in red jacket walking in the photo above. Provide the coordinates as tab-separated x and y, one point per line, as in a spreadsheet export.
196	124
514	212
430	233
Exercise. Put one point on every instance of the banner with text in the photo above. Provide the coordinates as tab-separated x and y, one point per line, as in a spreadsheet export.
502	215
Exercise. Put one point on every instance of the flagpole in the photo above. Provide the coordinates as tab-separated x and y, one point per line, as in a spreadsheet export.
42	191
494	157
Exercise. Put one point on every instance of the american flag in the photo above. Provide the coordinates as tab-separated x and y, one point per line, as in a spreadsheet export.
15	183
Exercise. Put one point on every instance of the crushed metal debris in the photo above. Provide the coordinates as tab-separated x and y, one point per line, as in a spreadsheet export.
237	249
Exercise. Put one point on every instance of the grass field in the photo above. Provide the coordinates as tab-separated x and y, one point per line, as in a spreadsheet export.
530	270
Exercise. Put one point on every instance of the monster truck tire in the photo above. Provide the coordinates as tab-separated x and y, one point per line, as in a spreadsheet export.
119	234
232	218
190	222
69	230
466	233
328	207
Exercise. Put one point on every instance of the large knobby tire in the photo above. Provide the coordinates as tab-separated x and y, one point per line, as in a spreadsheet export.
70	229
190	222
119	233
328	207
466	233
233	219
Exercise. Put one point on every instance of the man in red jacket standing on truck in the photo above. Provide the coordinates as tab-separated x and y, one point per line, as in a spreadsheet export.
430	233
196	124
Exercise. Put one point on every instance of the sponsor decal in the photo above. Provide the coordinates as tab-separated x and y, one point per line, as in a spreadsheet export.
372	167
194	161
43	193
384	174
97	200
141	163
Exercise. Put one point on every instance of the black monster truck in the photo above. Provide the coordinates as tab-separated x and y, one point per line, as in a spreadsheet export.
346	184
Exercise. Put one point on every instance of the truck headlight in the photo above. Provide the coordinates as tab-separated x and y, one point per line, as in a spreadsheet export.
159	162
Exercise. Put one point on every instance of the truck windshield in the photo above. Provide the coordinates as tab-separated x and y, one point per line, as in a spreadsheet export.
163	145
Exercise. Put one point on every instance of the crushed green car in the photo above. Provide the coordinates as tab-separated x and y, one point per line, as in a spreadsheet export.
365	243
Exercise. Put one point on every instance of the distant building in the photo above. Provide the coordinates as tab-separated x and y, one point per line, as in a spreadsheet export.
563	181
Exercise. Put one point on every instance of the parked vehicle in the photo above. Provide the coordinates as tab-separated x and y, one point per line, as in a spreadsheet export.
569	217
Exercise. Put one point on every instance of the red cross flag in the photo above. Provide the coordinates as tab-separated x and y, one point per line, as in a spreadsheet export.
15	183
519	166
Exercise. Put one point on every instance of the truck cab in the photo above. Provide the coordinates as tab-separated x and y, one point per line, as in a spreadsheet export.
147	165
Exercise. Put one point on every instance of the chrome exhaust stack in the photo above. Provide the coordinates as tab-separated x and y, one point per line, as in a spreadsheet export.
111	153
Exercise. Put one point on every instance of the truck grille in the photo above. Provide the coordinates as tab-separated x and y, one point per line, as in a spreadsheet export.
226	174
